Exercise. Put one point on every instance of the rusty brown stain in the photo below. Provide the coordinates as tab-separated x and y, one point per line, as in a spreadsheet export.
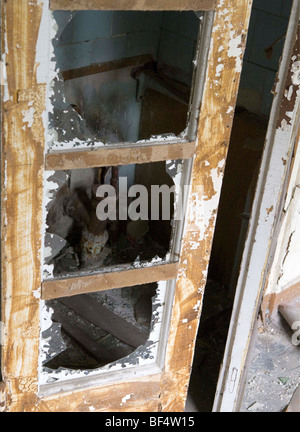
269	210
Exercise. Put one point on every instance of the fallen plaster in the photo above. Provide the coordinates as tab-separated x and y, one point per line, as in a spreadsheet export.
274	372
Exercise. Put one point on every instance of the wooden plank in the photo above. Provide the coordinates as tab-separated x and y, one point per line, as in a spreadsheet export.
86	342
116	156
144	397
55	288
96	313
215	122
106	66
21	202
142	5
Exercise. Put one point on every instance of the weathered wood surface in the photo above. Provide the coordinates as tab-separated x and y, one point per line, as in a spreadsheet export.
21	203
55	288
106	156
215	122
133	4
144	397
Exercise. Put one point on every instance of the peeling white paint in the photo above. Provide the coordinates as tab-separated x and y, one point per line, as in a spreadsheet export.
28	116
3	78
235	50
42	58
197	305
288	93
37	293
126	398
202	209
219	69
45	324
296	73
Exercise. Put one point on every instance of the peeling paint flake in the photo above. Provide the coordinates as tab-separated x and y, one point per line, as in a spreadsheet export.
296	73
235	50
126	398
28	117
219	69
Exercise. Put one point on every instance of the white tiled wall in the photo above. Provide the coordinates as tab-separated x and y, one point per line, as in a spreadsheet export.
268	24
98	36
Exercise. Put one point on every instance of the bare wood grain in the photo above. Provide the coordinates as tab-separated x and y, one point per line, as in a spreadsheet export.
215	122
22	196
64	287
133	5
106	156
144	397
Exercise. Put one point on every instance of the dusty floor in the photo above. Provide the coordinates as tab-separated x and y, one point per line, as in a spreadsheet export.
274	372
273	376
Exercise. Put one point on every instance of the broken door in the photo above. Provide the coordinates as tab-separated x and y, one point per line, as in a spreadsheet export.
59	131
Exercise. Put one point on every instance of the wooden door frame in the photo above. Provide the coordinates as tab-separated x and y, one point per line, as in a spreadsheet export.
23	164
263	225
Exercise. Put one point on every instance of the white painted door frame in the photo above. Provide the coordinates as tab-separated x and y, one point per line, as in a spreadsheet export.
261	236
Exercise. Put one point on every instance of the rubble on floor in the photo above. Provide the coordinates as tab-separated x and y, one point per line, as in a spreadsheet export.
274	372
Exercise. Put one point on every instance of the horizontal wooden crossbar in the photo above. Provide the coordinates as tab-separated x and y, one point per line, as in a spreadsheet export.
95	68
143	5
65	287
112	156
